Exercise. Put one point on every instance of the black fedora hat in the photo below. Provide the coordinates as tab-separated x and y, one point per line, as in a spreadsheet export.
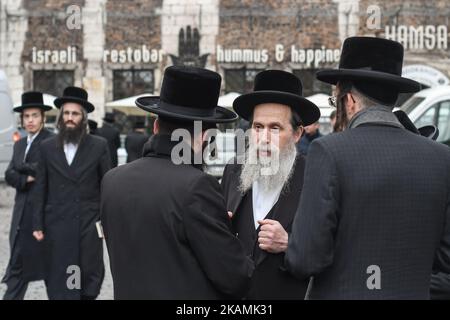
93	125
109	117
375	66
188	94
429	131
76	95
276	86
32	99
139	123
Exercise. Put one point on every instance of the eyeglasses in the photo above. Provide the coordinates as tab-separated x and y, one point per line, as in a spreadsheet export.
73	113
332	101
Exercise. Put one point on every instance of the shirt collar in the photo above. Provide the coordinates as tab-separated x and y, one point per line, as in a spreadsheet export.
375	115
31	138
161	145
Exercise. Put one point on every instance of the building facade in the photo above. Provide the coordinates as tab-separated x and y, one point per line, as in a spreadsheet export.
117	49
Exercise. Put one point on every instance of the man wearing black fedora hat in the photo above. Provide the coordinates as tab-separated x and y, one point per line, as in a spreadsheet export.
263	204
93	126
135	140
112	135
25	262
166	226
374	217
68	194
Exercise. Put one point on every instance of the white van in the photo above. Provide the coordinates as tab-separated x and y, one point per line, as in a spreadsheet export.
8	129
431	106
226	150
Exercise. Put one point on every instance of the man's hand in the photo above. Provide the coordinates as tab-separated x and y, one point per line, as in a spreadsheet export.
38	235
272	237
30	179
230	214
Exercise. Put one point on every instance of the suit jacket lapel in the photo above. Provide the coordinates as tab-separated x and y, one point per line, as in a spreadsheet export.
80	156
283	211
235	196
286	206
63	164
41	136
21	150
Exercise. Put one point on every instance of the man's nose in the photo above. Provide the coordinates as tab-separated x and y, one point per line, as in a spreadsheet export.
264	136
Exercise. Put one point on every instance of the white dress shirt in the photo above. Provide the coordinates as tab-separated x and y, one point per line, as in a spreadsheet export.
70	150
30	140
263	201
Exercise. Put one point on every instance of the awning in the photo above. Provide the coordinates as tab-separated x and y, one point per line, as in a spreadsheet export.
228	99
128	106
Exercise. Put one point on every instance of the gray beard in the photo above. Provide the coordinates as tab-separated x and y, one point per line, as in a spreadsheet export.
268	178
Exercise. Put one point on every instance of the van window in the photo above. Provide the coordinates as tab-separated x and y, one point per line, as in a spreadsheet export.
428	117
444	122
411	104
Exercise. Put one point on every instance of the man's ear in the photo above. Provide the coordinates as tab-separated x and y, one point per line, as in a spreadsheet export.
298	133
350	104
156	126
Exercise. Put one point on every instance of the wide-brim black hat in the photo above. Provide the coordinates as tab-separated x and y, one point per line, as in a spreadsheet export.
93	125
109	117
139	124
32	99
372	62
188	94
76	95
276	86
429	131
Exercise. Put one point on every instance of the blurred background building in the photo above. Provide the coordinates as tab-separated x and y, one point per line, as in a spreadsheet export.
118	49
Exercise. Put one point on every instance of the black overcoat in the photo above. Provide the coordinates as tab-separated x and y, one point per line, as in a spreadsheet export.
167	231
112	135
134	145
68	212
20	236
374	216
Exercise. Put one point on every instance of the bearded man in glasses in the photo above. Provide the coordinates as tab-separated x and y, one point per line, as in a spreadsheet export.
262	188
374	216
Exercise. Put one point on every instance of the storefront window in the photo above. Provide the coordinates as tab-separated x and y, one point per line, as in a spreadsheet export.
240	80
52	81
310	84
128	83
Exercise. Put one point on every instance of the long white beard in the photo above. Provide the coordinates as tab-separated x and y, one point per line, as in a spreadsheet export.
271	172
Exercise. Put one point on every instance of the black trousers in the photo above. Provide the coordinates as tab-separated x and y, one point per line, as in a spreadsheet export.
17	286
